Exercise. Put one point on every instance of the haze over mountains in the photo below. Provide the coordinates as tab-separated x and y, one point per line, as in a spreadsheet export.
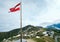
55	25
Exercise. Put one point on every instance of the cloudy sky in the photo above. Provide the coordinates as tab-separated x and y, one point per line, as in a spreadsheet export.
35	12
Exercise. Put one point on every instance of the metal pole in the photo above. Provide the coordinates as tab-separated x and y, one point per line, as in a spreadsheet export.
21	21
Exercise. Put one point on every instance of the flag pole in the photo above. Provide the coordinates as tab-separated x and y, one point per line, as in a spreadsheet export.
21	21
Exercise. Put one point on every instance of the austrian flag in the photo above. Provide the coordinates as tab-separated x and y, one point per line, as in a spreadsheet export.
15	8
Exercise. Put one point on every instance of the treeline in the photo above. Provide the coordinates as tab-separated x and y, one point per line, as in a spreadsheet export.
6	35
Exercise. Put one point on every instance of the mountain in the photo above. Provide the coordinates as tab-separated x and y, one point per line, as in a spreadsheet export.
28	28
55	25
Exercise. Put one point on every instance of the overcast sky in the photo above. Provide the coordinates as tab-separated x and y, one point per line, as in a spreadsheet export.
34	12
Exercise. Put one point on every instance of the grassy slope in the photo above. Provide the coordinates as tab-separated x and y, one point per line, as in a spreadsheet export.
44	39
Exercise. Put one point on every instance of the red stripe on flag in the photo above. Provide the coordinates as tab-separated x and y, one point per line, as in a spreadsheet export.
15	8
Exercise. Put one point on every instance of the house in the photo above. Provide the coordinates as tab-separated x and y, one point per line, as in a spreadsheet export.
45	33
48	33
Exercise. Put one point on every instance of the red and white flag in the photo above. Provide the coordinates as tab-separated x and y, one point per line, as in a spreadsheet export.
15	8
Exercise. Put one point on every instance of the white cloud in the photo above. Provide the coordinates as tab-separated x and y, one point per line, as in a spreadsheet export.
50	13
34	12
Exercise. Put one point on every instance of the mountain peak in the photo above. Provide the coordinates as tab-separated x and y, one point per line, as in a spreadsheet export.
56	26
